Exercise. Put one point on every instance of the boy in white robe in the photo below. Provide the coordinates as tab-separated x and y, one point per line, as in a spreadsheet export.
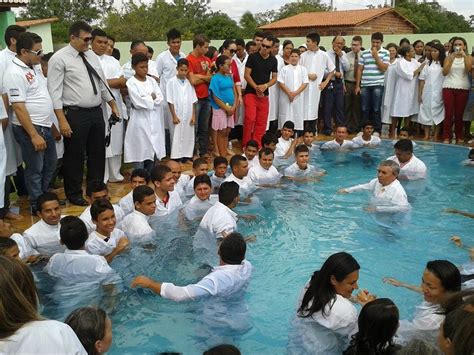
308	140
202	199
240	168
404	133
145	134
411	168
292	80
138	177
135	225
286	144
388	193
219	175
264	173
43	236
232	274
182	100
15	245
366	139
340	142
251	152
167	199
300	170
106	240
181	180
97	190
200	167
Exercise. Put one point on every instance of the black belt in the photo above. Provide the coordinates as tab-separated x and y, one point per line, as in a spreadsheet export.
78	108
348	81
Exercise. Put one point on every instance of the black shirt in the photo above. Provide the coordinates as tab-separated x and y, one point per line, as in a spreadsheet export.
261	70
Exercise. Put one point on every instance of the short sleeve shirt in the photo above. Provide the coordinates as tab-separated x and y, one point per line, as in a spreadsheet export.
222	86
372	75
261	70
200	65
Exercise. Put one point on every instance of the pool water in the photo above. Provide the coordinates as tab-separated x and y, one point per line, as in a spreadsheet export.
297	227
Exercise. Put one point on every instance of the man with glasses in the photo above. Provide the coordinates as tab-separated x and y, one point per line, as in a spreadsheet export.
77	87
352	110
260	73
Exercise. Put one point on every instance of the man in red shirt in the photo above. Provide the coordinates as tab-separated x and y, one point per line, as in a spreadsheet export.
200	75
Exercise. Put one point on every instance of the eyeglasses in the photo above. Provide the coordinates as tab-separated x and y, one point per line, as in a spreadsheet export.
38	53
232	51
267	47
86	39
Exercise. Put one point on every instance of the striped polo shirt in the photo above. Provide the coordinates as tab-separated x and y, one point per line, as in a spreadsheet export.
372	75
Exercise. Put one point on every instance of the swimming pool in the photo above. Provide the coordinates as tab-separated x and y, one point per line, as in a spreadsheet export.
298	227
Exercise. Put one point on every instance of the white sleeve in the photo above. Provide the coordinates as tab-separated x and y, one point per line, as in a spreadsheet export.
304	75
185	293
15	86
159	95
282	76
403	71
368	186
139	102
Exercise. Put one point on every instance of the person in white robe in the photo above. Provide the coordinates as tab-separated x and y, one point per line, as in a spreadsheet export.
145	135
264	173
172	204
390	80
24	248
246	186
240	58
181	98
109	247
274	91
366	139
388	194
431	93
286	143
202	199
411	168
293	80
340	142
232	275
139	177
90	225
316	63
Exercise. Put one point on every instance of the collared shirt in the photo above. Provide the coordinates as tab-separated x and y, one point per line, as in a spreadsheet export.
349	74
196	208
372	75
414	169
6	58
87	218
360	142
136	227
126	203
97	245
246	186
173	203
69	83
218	219
23	85
44	238
259	175
343	61
346	144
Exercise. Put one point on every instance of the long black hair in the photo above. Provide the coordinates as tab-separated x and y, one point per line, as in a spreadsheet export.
320	291
442	53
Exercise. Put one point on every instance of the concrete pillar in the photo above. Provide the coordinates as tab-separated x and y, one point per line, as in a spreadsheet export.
7	18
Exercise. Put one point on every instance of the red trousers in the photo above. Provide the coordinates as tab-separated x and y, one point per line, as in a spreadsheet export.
255	120
455	101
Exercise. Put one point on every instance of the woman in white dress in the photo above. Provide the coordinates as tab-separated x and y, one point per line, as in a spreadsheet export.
326	316
439	279
431	92
405	101
389	86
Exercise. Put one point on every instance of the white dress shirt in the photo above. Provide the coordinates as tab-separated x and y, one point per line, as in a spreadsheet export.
44	238
136	227
414	169
246	186
96	244
219	218
87	218
359	142
196	208
346	144
173	204
126	203
261	176
295	171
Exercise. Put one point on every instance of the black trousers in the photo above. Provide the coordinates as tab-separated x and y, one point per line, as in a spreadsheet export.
87	141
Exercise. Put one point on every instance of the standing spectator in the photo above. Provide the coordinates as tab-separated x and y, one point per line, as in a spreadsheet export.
316	62
260	73
3	155
333	95
77	94
200	76
274	92
258	39
287	50
419	47
138	46
370	80
32	112
389	87
351	100
456	69
240	59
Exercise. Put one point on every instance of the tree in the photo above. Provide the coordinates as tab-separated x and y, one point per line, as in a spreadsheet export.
248	25
67	11
219	26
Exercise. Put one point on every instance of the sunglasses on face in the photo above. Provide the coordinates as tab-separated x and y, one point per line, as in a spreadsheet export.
38	53
232	51
267	47
86	39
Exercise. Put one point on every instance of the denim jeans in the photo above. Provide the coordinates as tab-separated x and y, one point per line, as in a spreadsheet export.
203	113
333	103
371	106
39	165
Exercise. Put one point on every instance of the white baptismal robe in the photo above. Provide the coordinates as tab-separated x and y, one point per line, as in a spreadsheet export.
414	169
334	145
359	142
197	208
390	198
216	182
405	100
44	238
261	176
23	246
3	156
181	185
218	219
174	202
136	226
126	203
292	76
282	147
96	244
145	134
246	186
87	218
224	280
390	82
295	171
432	105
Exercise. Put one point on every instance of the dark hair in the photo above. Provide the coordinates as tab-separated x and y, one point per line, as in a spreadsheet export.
232	249
26	41
210	52
228	191
79	26
308	130
270	37
116	53
100	206
392	45
357	39
404	145
369	123
181	62
301	148
405	129
135	43
173	34
470	155
377	36
295	51
159	172
89	325
447	273
199	40
454	39
220	160
13	31
269	138
202	179
442	53
416	42
240	42
111	38
139	58
73	232
198	162
289	125
47	196
236	159
378	323
463	340
223	349
287	42
140	192
250	44
97	32
46	57
314	36
404	50
259	34
220	61
150	50
143	173
321	292
227	43
6	244
265	151
95	186
252	143
404	40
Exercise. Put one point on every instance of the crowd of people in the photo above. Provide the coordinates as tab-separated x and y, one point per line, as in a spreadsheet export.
79	107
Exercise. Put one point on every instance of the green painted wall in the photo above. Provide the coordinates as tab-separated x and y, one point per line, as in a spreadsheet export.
7	18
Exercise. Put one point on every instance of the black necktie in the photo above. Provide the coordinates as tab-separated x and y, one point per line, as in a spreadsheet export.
90	70
338	65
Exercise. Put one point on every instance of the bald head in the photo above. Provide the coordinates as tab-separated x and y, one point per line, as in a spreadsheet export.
338	42
175	168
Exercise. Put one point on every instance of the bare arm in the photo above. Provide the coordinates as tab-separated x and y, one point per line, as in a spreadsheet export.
448	63
396	283
176	119
145	282
118	83
197	79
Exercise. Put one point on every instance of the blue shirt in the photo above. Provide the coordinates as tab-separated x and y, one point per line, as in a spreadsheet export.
222	86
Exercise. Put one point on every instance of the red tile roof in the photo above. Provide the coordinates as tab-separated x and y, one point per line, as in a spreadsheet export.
29	23
331	18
